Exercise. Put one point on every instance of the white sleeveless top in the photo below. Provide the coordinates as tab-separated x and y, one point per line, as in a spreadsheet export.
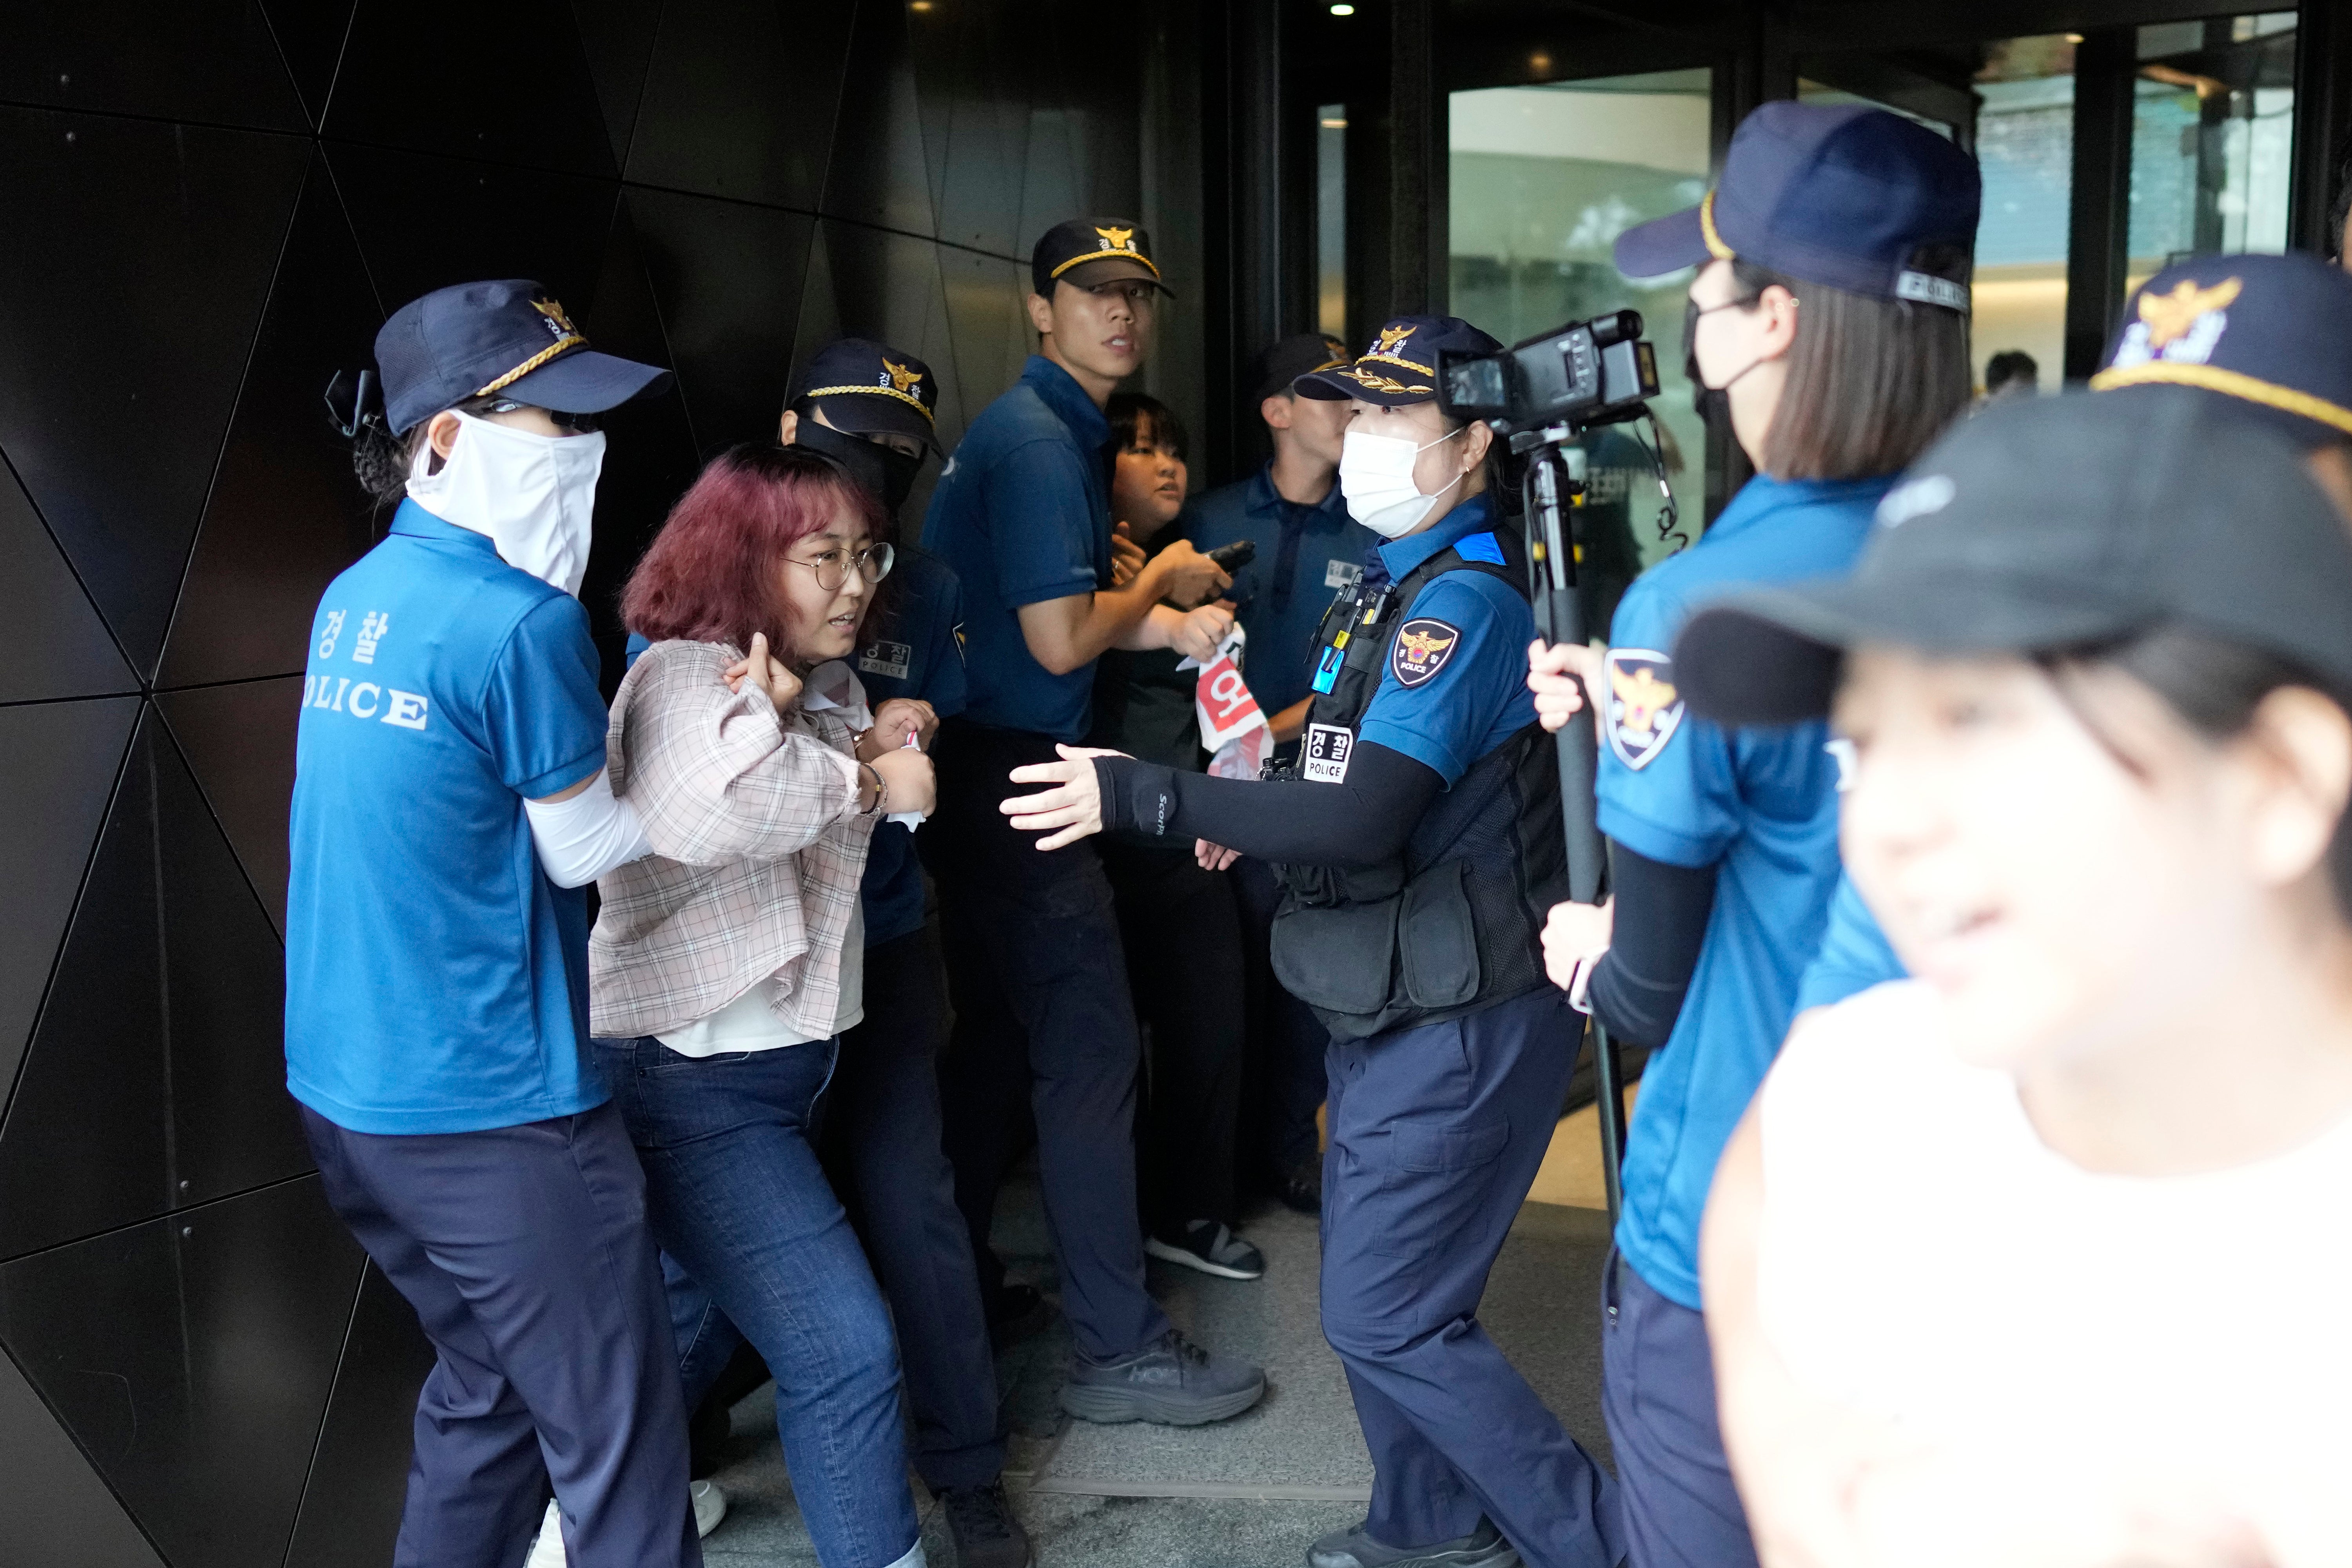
1924	1257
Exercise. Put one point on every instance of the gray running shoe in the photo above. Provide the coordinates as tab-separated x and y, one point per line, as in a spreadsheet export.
1481	1548
1171	1381
1210	1248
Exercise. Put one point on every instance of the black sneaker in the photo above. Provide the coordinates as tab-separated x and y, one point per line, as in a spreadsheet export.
1171	1381
1481	1548
986	1533
1210	1248
1018	1312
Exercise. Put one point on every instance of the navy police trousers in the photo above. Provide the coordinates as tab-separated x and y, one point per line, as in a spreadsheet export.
1436	1133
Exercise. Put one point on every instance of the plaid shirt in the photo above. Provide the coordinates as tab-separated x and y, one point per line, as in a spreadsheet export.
758	849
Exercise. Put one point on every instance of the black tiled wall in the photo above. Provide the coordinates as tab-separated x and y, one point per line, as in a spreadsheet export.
209	207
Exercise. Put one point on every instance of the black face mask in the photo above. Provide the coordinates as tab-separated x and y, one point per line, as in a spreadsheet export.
1713	404
873	468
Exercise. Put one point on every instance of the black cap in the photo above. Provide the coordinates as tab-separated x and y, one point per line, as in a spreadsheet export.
871	389
2046	524
2274	332
1844	195
511	337
1400	365
1273	368
1088	252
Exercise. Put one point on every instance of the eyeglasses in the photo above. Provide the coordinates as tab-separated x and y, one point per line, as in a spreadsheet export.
832	568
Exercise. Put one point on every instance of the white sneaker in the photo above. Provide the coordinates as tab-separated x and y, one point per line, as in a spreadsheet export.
710	1507
547	1552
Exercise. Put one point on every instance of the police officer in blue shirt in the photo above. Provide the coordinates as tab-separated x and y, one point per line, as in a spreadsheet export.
2270	339
1309	551
1044	1023
449	804
1828	324
1420	840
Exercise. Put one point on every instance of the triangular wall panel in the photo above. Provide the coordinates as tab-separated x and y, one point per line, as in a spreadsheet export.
213	61
618	35
507	83
60	646
285	512
146	250
311	36
58	767
240	738
190	1357
739	101
55	1512
728	276
878	173
155	1078
351	1508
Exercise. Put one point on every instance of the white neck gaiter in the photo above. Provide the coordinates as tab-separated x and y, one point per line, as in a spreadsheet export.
534	496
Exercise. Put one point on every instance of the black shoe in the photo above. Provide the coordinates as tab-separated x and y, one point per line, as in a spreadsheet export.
986	1533
1018	1312
1171	1381
1301	1186
1481	1548
1210	1248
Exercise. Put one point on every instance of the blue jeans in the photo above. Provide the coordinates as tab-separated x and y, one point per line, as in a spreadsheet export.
737	1198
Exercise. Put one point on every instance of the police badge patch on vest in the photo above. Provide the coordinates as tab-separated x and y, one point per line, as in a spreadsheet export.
1645	708
1421	649
1323	756
892	659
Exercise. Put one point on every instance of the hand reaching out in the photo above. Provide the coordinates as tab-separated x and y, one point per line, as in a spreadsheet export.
1073	805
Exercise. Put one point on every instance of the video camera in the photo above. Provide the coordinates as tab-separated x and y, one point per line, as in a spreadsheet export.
1600	371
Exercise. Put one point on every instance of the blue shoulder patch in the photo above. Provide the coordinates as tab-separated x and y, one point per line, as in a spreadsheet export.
1479	547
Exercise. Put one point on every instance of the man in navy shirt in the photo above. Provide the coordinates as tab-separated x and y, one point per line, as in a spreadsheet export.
449	803
1043	1021
1309	552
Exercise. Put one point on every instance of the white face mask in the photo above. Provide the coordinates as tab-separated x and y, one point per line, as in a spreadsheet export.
1376	475
534	496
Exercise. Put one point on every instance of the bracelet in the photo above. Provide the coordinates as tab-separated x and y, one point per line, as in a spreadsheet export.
881	789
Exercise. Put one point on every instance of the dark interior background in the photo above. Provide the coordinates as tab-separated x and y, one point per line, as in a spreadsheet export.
206	208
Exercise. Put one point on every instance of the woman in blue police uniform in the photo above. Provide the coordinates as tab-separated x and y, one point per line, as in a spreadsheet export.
1420	840
1828	320
449	803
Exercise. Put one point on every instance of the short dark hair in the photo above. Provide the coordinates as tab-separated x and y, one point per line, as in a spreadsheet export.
2011	365
1872	382
1137	417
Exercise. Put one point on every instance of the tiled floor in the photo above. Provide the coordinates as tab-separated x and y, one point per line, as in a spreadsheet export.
1251	1492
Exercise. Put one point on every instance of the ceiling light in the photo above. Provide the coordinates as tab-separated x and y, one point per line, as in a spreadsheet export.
2074	37
1333	124
1343	10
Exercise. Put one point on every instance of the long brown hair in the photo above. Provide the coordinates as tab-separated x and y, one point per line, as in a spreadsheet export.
1872	382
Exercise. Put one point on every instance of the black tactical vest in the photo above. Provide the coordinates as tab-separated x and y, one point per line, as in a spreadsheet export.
1455	924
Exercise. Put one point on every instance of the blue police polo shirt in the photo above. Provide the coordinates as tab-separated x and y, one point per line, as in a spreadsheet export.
1761	806
1854	955
1323	550
1021	514
1467	691
435	980
915	655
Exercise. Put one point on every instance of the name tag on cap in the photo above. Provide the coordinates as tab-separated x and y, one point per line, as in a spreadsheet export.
890	660
1323	758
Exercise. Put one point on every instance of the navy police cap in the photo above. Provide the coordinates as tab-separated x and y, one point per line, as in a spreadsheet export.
871	389
1846	196
1400	367
510	337
1088	252
2274	332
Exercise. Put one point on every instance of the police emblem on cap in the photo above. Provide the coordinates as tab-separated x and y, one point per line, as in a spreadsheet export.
1421	649
2181	325
1117	239
1645	708
1391	337
559	325
902	378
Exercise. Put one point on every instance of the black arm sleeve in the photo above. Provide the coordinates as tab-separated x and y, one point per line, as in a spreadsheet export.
1661	918
1360	821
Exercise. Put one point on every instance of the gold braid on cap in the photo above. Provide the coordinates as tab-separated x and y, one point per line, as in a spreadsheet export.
908	398
568	341
1105	255
2230	382
1715	245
